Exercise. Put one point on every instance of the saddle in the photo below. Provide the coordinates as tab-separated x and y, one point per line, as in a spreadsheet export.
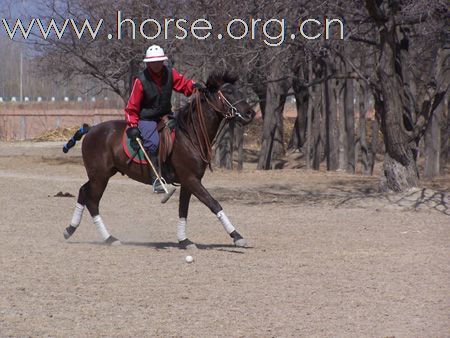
166	128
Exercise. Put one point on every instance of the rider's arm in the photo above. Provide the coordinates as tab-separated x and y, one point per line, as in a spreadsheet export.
181	84
134	104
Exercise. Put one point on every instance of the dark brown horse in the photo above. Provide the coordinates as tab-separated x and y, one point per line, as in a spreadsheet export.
197	125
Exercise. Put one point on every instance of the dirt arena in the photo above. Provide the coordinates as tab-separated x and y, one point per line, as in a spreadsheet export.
328	257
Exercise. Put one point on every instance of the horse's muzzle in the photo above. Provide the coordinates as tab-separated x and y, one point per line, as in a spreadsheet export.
245	119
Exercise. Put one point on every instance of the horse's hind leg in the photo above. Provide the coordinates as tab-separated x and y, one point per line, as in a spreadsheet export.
199	191
94	192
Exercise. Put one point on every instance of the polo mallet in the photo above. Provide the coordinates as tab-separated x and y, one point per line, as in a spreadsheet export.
168	190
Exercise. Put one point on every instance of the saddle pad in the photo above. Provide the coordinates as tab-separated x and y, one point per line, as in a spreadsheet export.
130	152
140	158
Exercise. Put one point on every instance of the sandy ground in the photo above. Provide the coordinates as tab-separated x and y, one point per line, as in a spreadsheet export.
329	257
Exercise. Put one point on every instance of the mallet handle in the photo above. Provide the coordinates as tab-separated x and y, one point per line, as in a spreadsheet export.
151	165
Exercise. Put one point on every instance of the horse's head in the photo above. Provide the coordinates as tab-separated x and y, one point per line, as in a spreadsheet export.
233	101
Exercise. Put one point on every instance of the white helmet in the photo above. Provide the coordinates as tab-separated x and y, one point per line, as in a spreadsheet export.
154	53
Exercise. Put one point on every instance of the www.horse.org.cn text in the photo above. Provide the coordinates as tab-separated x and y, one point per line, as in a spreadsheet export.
272	32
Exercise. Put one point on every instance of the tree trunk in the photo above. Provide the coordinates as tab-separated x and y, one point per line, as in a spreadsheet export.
313	119
392	100
318	128
308	141
397	176
365	167
349	115
239	142
331	128
224	147
272	144
399	168
446	135
259	86
340	110
279	149
298	136
374	144
261	92
433	145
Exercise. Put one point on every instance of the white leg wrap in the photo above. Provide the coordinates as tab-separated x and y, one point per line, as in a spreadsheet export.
225	222
101	227
181	229
77	214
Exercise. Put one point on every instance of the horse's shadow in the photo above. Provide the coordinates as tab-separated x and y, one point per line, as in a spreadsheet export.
169	245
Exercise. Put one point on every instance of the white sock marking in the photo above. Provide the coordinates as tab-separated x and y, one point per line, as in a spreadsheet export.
229	228
181	229
77	215
101	227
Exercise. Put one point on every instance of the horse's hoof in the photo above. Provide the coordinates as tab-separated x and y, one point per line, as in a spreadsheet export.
186	244
238	240
240	243
69	231
111	240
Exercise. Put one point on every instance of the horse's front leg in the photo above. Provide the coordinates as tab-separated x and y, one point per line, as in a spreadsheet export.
199	191
183	241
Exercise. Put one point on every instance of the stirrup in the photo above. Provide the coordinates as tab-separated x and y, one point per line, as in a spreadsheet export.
158	186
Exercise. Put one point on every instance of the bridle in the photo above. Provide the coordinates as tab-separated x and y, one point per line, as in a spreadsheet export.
228	111
232	111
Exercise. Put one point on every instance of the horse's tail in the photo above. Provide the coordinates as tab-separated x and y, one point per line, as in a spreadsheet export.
76	137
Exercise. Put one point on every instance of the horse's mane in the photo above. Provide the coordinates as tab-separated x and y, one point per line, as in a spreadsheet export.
215	79
218	78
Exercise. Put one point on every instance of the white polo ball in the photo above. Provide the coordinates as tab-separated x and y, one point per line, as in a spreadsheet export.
189	259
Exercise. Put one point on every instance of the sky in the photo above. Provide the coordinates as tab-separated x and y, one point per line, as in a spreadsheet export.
12	10
17	7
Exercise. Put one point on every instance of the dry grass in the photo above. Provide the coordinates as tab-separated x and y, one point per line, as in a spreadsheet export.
59	134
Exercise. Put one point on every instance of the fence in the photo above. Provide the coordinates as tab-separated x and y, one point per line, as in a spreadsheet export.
24	124
28	120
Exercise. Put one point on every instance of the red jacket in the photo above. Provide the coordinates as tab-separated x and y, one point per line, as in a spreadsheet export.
133	108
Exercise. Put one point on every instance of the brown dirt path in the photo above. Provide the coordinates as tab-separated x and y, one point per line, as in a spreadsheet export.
329	257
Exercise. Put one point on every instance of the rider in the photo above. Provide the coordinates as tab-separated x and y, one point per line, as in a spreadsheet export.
150	100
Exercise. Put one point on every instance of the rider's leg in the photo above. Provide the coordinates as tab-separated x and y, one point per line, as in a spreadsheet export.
150	137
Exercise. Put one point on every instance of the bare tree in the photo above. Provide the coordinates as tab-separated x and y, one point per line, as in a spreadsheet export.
406	83
401	127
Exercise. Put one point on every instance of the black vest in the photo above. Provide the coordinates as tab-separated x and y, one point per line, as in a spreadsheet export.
156	104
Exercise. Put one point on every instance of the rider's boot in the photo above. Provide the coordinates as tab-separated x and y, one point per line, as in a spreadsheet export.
157	186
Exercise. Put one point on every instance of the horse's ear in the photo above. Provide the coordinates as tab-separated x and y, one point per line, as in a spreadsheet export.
230	77
214	81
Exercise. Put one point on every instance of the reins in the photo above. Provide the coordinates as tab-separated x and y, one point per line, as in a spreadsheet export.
204	146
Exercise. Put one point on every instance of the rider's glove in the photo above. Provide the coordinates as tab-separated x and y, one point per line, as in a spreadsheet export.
133	133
